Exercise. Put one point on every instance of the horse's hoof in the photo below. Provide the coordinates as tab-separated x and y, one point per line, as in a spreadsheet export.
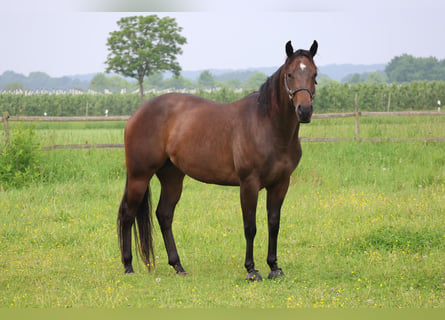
180	270
276	273
254	276
129	270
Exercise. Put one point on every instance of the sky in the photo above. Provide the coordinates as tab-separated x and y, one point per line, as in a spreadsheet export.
69	37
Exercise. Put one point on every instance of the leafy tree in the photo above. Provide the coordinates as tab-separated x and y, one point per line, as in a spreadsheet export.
368	77
155	80
143	46
324	80
232	84
376	77
407	68
206	80
355	78
178	83
39	79
13	86
101	82
9	77
255	81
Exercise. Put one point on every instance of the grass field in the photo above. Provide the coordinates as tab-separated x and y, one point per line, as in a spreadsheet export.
363	225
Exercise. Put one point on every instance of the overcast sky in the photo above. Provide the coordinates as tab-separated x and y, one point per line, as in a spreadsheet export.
69	37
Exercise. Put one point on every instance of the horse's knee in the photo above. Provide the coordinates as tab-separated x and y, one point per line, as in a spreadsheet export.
250	231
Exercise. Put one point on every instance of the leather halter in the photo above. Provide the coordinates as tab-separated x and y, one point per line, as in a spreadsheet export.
293	92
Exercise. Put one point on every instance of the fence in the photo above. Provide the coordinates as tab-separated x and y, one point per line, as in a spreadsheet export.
357	114
6	118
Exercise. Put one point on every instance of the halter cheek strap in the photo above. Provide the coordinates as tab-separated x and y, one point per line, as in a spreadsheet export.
292	93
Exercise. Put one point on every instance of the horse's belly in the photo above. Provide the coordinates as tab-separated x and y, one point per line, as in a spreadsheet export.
212	169
210	174
215	179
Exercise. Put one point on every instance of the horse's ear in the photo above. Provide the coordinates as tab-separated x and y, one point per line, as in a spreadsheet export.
289	49
314	47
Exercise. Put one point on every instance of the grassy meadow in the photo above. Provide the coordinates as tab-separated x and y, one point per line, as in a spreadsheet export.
363	226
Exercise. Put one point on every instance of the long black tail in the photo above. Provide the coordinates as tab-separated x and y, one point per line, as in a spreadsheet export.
145	227
143	231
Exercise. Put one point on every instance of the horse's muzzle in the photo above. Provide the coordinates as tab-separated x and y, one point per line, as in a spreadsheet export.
304	113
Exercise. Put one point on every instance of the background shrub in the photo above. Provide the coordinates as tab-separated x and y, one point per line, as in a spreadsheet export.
20	158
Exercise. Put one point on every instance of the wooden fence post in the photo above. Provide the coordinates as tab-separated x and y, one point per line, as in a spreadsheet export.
389	101
6	126
357	120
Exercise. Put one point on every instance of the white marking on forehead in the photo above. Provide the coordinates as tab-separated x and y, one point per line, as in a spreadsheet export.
302	66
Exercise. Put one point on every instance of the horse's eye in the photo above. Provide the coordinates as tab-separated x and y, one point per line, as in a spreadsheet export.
289	75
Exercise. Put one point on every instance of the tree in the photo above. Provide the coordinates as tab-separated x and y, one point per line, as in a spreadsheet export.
355	78
39	80
407	68
144	46
115	84
9	77
326	81
206	80
155	80
232	84
178	83
99	82
376	77
255	81
13	86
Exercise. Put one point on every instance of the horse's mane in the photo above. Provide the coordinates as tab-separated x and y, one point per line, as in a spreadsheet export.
270	89
266	91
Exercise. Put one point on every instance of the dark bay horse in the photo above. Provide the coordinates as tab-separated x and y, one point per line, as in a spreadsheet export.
251	143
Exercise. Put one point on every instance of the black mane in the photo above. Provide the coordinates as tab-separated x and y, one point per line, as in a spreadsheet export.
266	90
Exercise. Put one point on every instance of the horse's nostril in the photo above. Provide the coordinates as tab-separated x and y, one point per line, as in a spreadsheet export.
304	113
300	111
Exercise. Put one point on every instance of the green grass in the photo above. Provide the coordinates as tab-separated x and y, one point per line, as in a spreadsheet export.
363	225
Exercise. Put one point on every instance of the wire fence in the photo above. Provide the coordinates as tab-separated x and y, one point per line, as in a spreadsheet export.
357	115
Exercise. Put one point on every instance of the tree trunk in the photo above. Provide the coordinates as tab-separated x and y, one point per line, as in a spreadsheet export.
141	88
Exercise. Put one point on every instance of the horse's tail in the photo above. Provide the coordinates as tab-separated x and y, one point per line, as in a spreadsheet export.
145	227
143	231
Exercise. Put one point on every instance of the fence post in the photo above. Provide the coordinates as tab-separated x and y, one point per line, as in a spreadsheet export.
6	126
389	101
357	120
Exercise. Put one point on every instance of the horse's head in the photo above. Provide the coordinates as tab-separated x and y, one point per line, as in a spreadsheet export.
299	74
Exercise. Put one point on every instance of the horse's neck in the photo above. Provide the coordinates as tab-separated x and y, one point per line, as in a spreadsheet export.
274	104
284	119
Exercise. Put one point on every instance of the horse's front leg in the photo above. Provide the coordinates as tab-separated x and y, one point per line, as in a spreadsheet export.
249	198
275	198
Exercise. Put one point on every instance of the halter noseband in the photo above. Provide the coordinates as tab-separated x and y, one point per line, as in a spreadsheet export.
292	93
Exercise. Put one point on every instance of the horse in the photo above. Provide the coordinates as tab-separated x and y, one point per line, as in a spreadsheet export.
252	143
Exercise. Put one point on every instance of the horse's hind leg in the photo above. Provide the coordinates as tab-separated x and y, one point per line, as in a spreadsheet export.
135	189
171	179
